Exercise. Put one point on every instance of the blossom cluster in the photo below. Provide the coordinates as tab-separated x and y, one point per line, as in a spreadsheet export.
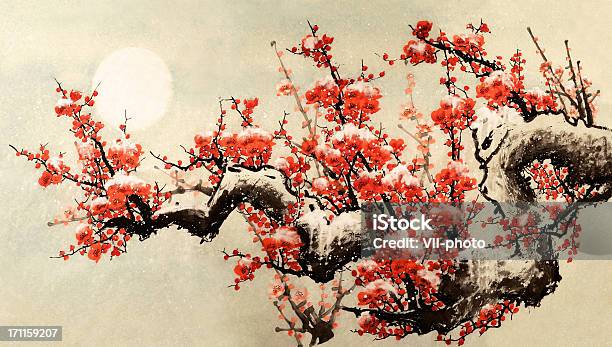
105	173
396	286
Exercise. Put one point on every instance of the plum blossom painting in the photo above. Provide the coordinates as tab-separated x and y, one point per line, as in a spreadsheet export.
205	173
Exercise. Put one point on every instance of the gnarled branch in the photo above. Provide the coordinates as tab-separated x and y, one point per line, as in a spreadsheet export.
475	283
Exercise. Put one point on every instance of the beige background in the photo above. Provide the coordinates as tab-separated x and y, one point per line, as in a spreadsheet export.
170	290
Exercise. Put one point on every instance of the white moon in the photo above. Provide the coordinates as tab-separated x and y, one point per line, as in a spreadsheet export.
134	81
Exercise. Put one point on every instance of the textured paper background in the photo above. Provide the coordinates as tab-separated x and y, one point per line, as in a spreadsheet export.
170	290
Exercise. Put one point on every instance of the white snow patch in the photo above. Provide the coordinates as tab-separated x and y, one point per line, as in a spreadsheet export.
343	227
504	77
453	100
536	91
488	119
363	87
63	102
367	174
252	132
287	235
486	272
326	82
123	145
99	201
325	151
320	183
400	173
351	131
85	150
281	164
418	47
121	179
380	284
